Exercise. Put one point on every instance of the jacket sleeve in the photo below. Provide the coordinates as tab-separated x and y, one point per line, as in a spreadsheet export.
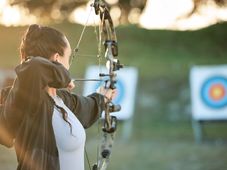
32	78
87	109
25	97
5	137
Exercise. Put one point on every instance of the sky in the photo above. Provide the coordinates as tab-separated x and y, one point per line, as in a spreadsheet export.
158	14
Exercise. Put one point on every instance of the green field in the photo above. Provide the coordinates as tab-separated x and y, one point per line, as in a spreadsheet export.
162	137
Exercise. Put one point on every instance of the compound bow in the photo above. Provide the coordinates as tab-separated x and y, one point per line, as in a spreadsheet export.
106	29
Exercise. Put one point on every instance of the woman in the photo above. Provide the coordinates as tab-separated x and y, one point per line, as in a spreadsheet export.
45	122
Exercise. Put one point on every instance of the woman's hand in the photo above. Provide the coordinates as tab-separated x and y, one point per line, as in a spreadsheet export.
108	93
71	86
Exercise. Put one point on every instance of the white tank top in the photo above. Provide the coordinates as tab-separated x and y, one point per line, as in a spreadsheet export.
70	143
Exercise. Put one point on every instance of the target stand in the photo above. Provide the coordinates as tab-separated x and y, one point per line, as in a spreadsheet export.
208	96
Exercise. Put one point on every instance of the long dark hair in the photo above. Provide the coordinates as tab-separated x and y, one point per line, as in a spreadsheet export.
42	41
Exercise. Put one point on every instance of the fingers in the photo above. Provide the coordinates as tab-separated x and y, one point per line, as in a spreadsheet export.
71	86
108	93
114	93
111	94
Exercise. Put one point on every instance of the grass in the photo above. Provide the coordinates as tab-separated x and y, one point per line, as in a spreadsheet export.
162	137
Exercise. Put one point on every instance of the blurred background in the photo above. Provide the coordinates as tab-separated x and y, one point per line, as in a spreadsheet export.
163	39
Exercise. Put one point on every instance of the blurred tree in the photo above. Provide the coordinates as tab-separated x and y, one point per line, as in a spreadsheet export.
49	9
60	9
128	6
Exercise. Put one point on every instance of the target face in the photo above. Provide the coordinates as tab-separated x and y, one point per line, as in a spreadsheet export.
214	92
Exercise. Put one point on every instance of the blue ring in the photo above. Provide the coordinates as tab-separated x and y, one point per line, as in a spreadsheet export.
206	98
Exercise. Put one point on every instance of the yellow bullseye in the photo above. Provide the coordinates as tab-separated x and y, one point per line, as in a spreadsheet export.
217	92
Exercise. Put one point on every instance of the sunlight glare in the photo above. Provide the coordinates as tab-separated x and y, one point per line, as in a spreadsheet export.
83	15
86	14
167	14
134	15
112	2
11	16
159	15
115	13
14	15
2	5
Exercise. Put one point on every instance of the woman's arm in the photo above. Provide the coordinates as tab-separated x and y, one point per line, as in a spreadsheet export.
32	78
43	72
87	109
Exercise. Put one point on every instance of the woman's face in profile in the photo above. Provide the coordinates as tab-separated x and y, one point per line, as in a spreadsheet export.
64	60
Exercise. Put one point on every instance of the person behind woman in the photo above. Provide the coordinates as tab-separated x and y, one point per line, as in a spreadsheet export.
45	122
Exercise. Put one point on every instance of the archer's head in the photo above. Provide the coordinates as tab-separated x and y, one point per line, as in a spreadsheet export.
45	42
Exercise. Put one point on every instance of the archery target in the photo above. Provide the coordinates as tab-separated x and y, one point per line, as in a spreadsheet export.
213	92
126	88
209	92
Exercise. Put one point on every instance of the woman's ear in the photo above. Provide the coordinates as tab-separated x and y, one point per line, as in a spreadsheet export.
55	57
